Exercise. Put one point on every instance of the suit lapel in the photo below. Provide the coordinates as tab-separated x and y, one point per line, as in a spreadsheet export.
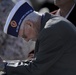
72	16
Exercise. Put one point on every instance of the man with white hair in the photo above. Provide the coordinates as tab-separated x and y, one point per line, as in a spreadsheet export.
12	48
55	50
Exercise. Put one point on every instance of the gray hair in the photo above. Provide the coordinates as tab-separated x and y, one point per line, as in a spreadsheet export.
32	16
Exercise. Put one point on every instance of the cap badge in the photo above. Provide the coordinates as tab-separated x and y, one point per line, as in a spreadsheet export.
13	23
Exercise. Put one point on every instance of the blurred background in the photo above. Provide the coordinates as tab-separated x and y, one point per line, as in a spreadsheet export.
12	48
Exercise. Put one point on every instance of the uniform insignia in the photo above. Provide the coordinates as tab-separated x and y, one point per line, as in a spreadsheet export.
13	23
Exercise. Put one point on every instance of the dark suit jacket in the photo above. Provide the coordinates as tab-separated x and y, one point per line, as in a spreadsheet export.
55	52
71	17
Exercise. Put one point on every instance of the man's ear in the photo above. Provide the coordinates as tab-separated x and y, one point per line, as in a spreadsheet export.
30	23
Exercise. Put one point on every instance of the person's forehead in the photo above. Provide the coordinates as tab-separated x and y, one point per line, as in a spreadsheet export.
20	33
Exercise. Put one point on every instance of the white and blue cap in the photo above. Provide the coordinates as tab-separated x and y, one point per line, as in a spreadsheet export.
16	16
